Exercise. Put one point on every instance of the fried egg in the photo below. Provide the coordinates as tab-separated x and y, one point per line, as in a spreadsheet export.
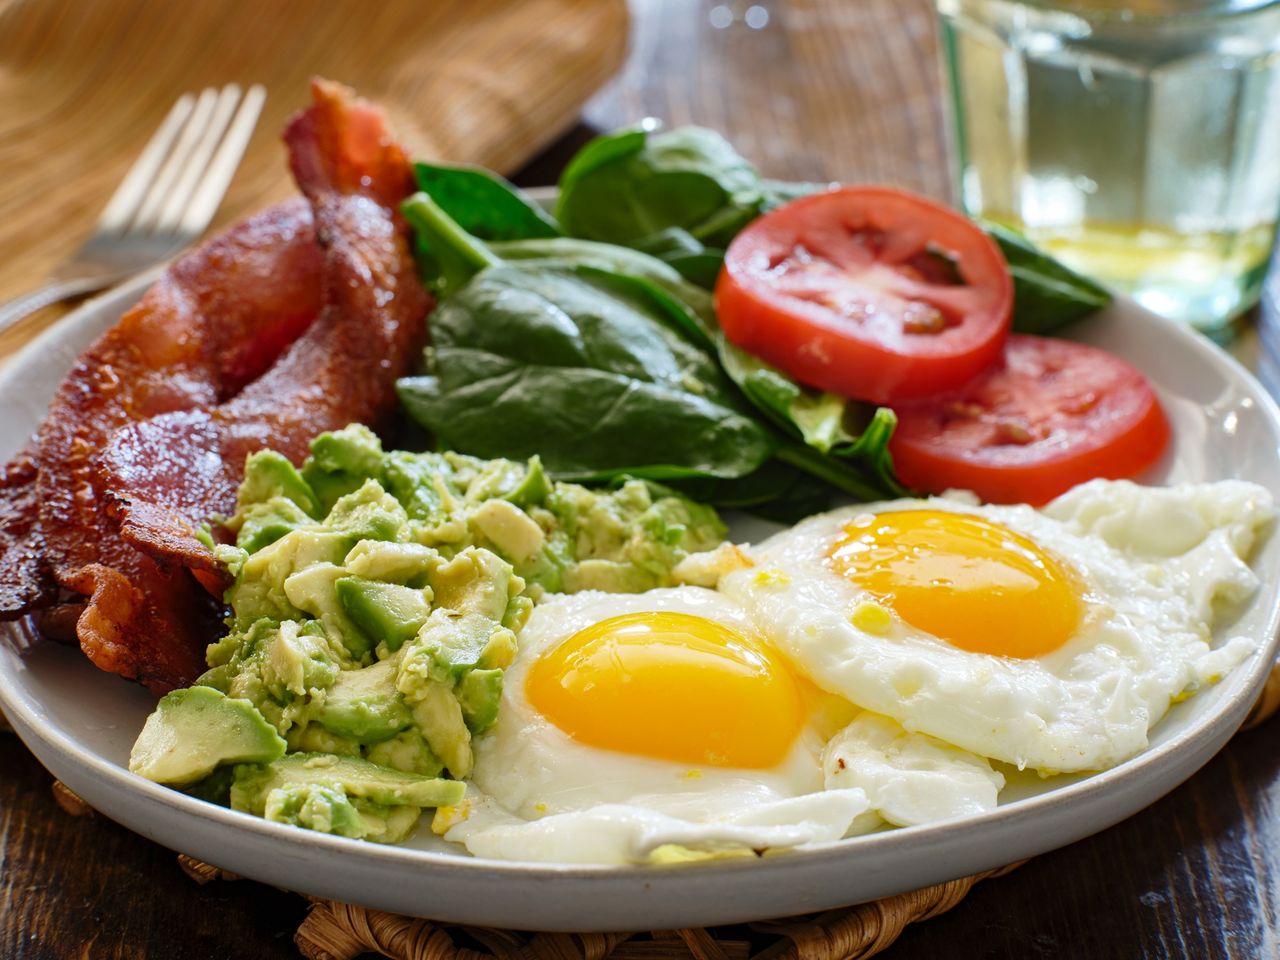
664	726
1050	640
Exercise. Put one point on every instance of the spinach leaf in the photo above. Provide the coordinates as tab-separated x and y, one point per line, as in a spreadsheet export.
678	248
777	491
484	204
584	371
631	186
846	430
1046	294
447	255
606	149
687	305
702	269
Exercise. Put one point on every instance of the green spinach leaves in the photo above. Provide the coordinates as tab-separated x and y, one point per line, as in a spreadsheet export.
607	363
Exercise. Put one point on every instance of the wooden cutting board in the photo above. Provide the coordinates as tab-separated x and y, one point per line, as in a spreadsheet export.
84	84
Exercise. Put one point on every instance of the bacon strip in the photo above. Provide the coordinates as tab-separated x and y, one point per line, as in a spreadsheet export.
167	475
28	582
213	322
217	318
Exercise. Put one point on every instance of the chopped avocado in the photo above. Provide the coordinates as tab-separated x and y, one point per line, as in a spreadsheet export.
438	715
533	489
406	563
475	581
313	591
300	659
479	694
422	484
280	667
341	461
516	535
450	644
369	513
364	705
387	612
351	775
316	806
262	524
314	738
407	751
259	588
268	475
193	731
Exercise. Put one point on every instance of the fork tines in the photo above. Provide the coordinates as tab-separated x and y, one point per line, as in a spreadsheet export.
176	184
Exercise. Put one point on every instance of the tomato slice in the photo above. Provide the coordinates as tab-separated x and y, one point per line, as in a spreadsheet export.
1052	415
869	292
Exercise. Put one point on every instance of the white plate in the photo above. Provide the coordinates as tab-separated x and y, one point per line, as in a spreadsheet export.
80	723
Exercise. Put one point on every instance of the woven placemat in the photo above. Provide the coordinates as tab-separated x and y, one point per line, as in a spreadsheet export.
339	931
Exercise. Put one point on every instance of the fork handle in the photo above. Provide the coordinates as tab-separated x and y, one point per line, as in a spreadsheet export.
14	310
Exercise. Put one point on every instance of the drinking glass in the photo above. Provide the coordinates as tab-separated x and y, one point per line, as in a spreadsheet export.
1136	140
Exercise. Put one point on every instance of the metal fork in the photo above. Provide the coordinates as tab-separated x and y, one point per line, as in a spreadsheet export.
165	201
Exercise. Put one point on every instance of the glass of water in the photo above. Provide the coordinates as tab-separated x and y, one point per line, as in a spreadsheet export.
1136	140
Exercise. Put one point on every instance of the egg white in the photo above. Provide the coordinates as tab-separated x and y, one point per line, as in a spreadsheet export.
538	794
1156	565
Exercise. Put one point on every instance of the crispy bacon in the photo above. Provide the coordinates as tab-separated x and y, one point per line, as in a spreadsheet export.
28	582
167	475
264	336
219	317
213	322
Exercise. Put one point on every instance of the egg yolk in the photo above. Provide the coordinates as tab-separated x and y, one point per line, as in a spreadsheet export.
671	686
976	584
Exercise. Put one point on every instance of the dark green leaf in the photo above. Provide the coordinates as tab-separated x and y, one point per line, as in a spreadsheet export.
1046	294
484	204
585	370
603	150
632	186
448	256
701	269
776	491
687	305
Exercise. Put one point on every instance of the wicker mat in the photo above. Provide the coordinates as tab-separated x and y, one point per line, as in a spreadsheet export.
339	931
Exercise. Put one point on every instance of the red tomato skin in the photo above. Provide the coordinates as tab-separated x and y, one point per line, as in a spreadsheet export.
1132	434
833	354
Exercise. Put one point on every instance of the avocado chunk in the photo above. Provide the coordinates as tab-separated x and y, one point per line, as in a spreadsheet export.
312	590
262	524
370	513
479	694
352	776
404	563
364	705
341	461
407	751
388	612
195	730
268	474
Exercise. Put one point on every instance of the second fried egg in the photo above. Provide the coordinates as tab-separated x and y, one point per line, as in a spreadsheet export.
1048	639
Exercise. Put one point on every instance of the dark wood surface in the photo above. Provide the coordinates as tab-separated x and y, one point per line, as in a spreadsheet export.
845	89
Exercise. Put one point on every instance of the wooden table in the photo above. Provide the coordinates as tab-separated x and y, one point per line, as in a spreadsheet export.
846	89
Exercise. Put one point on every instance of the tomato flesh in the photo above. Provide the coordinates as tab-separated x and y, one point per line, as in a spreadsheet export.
1054	414
869	292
